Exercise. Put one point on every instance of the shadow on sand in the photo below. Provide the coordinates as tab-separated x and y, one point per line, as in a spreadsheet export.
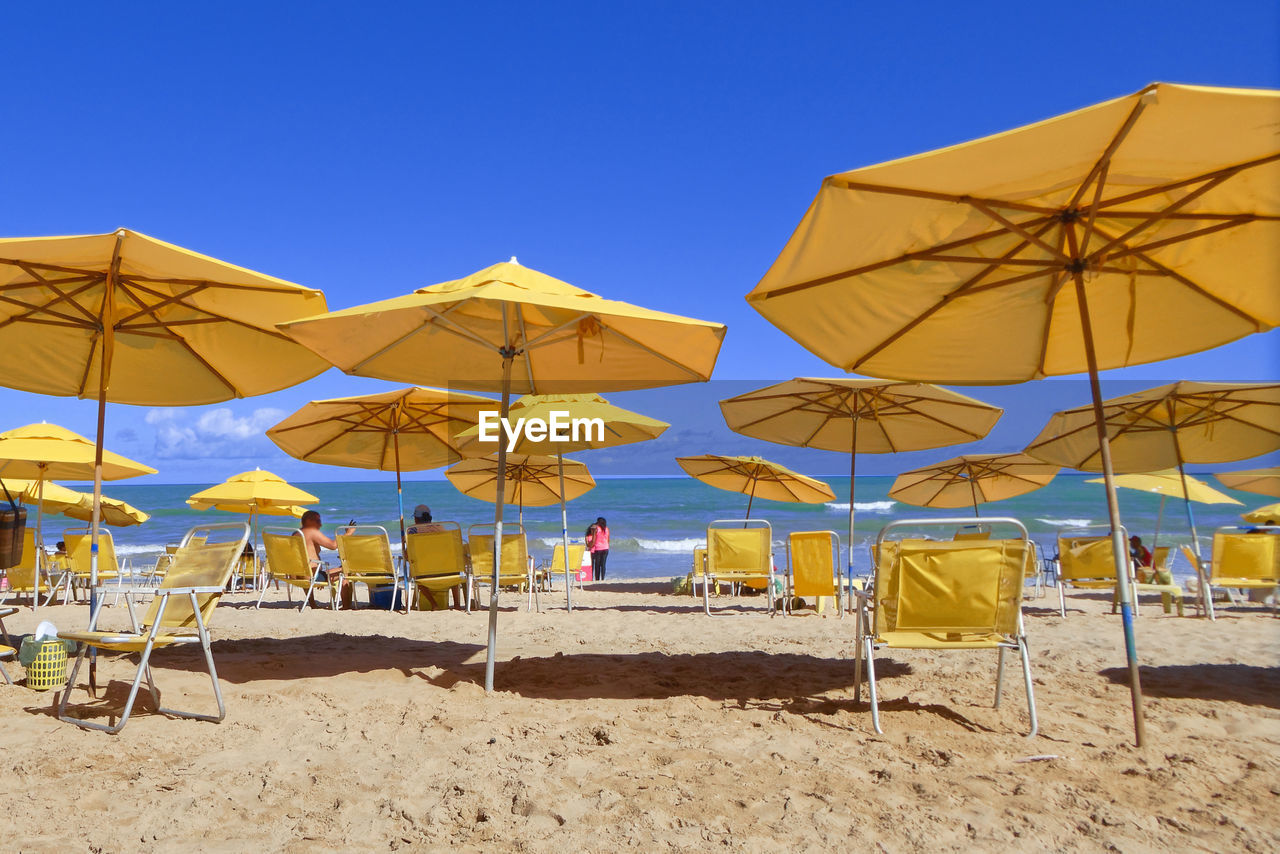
1236	683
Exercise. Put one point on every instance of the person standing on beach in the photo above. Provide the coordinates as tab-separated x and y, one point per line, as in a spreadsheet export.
598	545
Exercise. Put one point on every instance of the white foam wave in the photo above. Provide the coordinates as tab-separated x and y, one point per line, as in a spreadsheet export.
1066	523
552	542
685	545
861	506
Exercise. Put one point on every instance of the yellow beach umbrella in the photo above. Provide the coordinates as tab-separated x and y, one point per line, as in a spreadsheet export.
972	479
1260	481
294	510
114	512
1268	515
41	452
756	477
599	424
51	496
1172	482
528	480
124	317
1139	229
509	328
252	492
411	429
859	416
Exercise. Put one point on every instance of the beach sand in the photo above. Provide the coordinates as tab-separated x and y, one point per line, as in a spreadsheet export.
637	722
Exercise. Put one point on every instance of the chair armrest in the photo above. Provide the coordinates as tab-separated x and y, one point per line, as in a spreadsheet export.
183	591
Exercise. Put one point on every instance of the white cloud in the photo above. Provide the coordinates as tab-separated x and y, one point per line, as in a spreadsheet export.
216	433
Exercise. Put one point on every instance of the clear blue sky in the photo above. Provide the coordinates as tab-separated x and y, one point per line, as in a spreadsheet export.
659	153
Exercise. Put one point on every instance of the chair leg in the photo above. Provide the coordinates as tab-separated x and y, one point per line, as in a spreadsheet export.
1026	677
857	659
869	651
999	676
5	674
1062	601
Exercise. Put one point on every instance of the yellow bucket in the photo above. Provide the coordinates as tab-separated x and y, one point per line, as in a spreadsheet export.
49	670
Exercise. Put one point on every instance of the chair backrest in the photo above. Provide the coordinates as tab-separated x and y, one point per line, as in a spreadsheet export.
515	550
950	588
23	576
436	551
699	561
79	544
814	558
1161	557
1086	558
366	550
576	550
972	533
207	563
1251	557
735	546
286	554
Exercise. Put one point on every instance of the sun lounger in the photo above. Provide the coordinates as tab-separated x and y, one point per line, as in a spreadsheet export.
287	561
180	613
515	570
1086	561
739	552
814	569
365	552
1240	561
22	578
437	564
945	595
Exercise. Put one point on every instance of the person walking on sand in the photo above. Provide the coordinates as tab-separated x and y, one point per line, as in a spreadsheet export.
598	545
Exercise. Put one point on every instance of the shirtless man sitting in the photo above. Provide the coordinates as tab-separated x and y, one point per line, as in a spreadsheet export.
315	539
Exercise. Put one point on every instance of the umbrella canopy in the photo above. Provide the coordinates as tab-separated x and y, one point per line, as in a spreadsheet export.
255	490
1139	229
1170	484
49	495
131	319
756	477
1260	481
972	479
528	480
411	429
859	416
114	512
1168	426
616	426
293	510
509	328
1268	515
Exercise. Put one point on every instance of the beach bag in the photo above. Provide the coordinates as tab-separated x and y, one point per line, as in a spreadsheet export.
584	570
680	584
13	524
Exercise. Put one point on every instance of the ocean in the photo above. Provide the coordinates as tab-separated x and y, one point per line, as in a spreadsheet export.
656	522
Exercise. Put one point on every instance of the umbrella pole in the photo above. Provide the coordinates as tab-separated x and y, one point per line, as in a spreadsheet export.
750	500
508	356
1205	597
973	491
564	535
1155	537
404	539
38	542
104	370
853	467
1118	546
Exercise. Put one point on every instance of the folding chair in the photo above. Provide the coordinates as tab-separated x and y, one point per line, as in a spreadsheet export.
23	577
739	552
1241	561
814	568
365	552
945	595
1086	561
437	564
79	544
180	613
515	570
698	574
557	564
286	560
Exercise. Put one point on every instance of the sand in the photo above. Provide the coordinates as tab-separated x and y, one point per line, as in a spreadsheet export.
637	722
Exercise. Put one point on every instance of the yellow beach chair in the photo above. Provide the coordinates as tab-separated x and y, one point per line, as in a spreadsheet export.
22	578
1086	561
556	566
79	545
1240	561
698	574
739	552
814	569
180	613
945	595
365	553
437	564
515	570
286	561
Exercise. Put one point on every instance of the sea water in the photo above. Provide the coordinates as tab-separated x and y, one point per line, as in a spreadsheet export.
655	523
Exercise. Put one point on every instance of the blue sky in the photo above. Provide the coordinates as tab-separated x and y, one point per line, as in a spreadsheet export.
659	153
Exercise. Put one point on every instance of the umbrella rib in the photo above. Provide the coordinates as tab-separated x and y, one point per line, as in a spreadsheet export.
1104	161
438	320
1180	238
63	296
130	285
1018	230
1182	182
1142	225
887	189
528	362
660	356
149	309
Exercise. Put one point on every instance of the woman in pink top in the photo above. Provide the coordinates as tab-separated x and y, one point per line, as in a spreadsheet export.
598	544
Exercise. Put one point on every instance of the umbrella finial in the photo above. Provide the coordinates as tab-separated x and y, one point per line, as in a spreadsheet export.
514	261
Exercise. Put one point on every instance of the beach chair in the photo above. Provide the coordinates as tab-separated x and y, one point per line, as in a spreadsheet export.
438	563
78	575
365	553
698	573
972	532
739	552
557	565
514	572
1240	561
22	578
286	561
1086	561
945	595
814	569
180	613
